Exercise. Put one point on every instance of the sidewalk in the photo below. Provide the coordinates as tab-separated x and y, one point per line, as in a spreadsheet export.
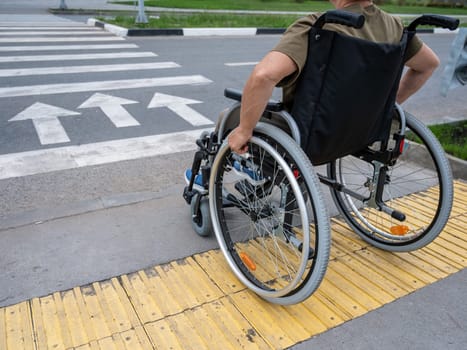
369	298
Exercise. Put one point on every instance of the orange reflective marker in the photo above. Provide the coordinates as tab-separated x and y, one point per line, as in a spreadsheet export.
247	261
399	230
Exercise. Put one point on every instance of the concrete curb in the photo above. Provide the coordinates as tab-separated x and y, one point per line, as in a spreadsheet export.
244	31
458	167
120	31
46	214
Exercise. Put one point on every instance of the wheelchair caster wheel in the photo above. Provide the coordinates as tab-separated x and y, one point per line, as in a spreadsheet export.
200	217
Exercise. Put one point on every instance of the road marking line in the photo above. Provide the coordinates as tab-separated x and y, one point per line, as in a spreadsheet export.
36	24
77	57
237	64
179	105
45	120
85	69
90	29
112	107
54	39
63	158
50	89
45	33
190	115
218	31
50	131
68	47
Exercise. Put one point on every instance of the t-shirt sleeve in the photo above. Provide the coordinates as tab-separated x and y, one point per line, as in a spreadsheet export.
294	43
413	47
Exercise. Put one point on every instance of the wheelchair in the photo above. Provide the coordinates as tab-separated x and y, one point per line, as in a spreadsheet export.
266	206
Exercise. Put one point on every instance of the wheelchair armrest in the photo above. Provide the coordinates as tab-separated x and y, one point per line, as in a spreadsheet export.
273	106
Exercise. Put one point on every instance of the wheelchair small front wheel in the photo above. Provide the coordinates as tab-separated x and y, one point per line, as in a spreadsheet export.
269	217
200	216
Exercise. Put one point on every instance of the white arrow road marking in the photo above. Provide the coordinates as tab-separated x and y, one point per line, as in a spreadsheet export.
49	89
179	106
45	120
112	107
86	69
69	157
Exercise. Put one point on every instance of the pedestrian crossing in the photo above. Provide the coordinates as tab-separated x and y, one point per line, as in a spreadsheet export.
67	47
74	57
57	39
68	32
48	72
84	69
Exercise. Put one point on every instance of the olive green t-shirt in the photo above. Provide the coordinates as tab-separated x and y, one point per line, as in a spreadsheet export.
379	27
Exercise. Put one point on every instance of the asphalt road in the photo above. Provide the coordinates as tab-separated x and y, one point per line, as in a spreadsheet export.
217	60
210	58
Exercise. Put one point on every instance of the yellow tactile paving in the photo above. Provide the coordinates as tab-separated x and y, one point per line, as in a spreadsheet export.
196	302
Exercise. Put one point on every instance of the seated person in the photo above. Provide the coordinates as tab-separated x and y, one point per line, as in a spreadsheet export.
283	65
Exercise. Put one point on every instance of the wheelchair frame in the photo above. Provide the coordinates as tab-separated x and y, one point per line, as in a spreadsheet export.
297	182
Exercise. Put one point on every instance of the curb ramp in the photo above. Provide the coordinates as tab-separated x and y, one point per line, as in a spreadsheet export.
197	303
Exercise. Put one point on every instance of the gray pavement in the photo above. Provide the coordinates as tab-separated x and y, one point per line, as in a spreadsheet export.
434	317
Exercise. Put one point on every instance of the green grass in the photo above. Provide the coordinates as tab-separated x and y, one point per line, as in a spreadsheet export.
452	136
411	7
201	20
198	20
265	5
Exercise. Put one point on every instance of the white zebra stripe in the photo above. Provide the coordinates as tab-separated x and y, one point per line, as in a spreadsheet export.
67	47
62	158
20	33
86	69
77	57
55	39
51	89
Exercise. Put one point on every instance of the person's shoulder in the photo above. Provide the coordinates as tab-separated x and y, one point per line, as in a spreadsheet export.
306	21
387	17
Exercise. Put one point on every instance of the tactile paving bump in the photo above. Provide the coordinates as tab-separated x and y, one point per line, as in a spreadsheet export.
197	303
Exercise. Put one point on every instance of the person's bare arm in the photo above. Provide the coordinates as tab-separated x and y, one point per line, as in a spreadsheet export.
421	67
274	67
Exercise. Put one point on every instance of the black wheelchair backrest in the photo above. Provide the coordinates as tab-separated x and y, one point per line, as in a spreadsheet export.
346	92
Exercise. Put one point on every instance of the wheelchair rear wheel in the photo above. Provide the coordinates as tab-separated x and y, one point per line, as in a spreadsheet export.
269	216
418	186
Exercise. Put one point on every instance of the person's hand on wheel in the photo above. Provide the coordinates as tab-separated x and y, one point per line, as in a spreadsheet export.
238	140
